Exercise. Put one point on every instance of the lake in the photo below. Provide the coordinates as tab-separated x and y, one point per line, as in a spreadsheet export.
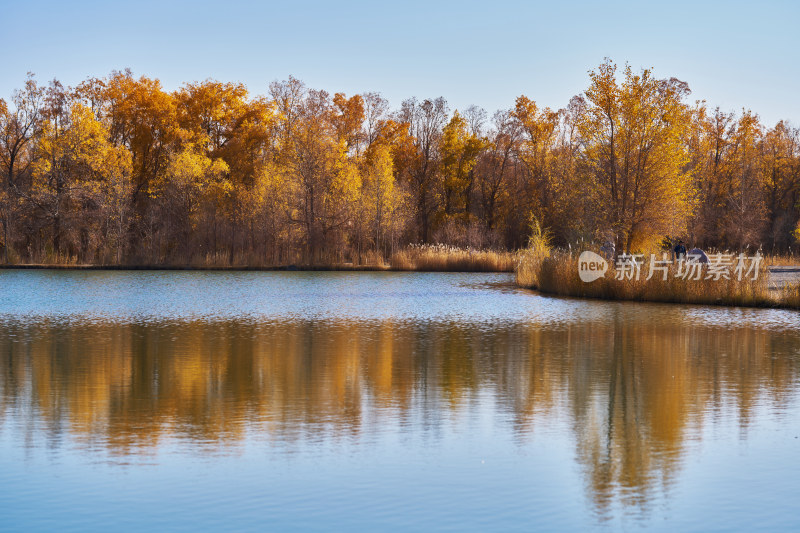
324	401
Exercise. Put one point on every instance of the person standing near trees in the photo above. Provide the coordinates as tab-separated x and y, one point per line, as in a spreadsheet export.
680	251
608	250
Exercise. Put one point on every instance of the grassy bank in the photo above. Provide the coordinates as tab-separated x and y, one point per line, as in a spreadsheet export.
556	272
422	258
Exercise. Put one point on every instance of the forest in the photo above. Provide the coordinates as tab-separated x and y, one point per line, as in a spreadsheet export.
118	170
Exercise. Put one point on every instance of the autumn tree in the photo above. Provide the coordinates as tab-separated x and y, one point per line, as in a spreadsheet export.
382	196
746	208
323	180
19	126
426	120
780	161
496	171
460	149
633	132
536	150
389	154
376	114
225	128
76	169
347	119
708	143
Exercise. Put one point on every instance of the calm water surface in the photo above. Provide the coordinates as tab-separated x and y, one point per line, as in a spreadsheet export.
290	401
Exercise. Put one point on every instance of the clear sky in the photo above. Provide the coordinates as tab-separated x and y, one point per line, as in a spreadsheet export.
733	54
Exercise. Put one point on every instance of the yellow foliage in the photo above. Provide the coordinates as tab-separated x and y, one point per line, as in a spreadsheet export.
459	149
634	135
77	155
121	165
195	178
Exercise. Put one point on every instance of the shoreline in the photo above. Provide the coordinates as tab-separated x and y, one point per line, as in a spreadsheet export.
716	303
285	268
289	268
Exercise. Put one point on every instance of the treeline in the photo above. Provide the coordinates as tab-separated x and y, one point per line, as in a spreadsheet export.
118	170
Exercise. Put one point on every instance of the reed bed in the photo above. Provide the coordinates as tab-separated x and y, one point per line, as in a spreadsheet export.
781	260
430	258
556	272
441	258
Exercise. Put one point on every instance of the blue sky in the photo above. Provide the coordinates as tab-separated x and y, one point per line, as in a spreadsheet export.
732	54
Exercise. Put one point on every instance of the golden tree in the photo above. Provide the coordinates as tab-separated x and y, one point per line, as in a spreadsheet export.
75	167
536	147
19	127
460	149
634	137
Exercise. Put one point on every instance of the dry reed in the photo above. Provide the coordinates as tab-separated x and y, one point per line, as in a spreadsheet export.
441	258
556	272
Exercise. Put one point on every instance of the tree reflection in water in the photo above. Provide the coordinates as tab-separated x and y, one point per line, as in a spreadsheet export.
637	392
